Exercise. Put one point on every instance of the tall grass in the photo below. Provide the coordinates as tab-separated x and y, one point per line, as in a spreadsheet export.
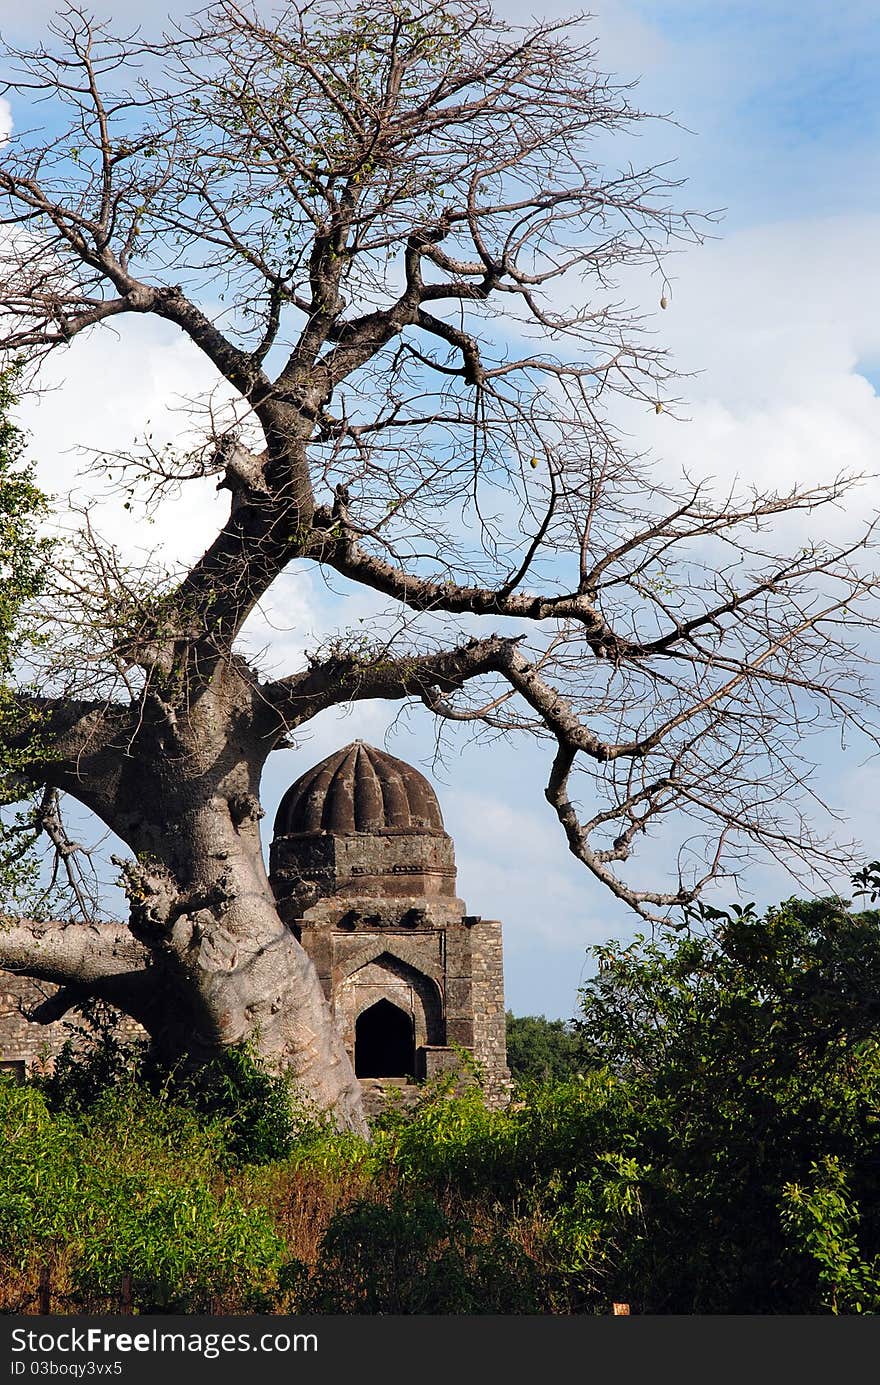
573	1197
450	1208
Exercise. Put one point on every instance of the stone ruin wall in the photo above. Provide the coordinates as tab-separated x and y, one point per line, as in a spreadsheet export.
37	1045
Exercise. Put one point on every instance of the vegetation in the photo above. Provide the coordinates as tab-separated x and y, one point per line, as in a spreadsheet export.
23	557
752	1056
543	1050
130	1187
719	1152
251	1107
402	239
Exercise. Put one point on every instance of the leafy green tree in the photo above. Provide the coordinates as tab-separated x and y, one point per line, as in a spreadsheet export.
23	555
542	1050
751	1055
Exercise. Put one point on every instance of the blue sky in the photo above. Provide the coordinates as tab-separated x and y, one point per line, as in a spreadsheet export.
779	314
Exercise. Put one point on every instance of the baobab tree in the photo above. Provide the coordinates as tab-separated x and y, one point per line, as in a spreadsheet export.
394	232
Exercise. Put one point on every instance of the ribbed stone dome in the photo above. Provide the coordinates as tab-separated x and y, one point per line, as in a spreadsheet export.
359	789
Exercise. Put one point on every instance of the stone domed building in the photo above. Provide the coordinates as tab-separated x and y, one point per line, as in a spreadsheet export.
364	874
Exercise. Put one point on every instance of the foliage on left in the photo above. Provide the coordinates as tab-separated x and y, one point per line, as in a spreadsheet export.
133	1187
24	555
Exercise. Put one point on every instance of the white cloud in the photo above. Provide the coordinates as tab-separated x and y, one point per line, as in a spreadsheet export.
105	393
776	310
518	867
778	322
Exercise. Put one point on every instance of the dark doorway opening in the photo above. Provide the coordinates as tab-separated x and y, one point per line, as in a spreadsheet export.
384	1042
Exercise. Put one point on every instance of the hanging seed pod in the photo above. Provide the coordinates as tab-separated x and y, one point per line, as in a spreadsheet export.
658	407
664	302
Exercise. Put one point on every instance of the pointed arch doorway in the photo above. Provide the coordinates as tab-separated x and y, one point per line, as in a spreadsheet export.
384	1042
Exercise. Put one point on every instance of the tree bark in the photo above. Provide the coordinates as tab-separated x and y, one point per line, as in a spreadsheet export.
205	962
200	976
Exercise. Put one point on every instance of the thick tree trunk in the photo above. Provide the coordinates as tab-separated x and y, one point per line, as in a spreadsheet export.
227	970
209	988
205	962
215	990
210	963
219	989
206	992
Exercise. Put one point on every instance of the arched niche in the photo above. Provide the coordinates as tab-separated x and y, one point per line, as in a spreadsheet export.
384	1042
390	978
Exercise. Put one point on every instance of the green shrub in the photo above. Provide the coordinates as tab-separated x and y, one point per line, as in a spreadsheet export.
94	1059
413	1256
822	1222
42	1172
183	1244
256	1111
129	1187
551	1137
750	1055
542	1050
259	1112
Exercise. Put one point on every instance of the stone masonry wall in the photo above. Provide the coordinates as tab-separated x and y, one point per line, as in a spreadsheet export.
20	1041
490	1021
36	1045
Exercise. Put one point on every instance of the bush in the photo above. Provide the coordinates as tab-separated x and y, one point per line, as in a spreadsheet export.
542	1050
413	1255
720	1152
134	1186
256	1112
750	1053
95	1059
183	1244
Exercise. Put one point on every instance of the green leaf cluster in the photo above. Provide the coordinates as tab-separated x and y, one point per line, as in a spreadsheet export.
22	551
543	1050
718	1151
132	1187
24	554
750	1054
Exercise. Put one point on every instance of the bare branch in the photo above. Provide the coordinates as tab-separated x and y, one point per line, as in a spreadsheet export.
69	954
